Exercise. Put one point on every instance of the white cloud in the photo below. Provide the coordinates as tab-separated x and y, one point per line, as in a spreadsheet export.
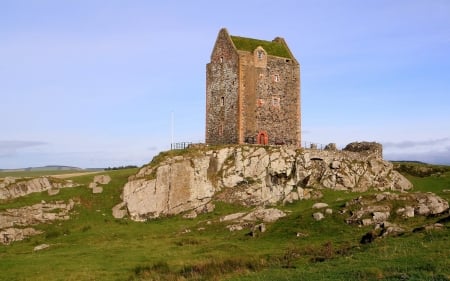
409	144
9	148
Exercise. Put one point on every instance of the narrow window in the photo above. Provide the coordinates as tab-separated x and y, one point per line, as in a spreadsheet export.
221	130
275	101
260	55
222	101
276	78
221	59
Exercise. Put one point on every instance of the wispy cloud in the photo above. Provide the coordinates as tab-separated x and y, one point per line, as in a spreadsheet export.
410	144
432	157
9	148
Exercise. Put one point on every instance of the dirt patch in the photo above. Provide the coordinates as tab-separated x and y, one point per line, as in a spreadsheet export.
70	175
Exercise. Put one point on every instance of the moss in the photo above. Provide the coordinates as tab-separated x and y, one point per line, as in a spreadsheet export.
272	48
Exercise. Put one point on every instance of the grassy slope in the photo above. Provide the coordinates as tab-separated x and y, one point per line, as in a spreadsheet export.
92	245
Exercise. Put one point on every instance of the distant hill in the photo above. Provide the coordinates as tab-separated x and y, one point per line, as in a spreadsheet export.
44	168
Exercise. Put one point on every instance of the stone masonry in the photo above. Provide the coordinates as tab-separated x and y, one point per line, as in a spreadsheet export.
252	92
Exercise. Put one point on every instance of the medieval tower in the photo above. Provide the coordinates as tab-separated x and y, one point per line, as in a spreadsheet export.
252	92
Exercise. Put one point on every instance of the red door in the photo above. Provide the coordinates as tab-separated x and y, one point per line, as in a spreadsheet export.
263	138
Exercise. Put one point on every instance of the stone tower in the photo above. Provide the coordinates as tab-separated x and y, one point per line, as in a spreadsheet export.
252	92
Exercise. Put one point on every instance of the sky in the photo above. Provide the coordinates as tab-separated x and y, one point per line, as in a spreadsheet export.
103	83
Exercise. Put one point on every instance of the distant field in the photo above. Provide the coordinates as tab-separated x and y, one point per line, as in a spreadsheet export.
19	174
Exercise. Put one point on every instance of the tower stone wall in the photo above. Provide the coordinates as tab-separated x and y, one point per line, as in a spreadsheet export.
252	92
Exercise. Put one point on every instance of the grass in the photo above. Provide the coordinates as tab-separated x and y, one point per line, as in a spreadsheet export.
92	245
272	48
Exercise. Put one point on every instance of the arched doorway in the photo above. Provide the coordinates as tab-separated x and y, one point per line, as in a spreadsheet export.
263	138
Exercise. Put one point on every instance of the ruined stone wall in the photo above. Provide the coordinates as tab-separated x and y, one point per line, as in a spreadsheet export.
222	93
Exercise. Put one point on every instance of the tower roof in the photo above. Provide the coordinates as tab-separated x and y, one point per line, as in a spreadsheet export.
276	47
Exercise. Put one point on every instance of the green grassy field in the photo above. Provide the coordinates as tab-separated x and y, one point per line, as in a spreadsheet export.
92	245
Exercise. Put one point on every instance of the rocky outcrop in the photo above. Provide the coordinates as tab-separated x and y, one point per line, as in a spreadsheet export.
375	209
177	185
380	209
15	223
13	187
12	234
253	176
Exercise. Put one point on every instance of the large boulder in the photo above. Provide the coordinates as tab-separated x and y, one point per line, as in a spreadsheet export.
177	186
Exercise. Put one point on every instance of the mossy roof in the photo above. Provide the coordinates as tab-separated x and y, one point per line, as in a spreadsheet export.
272	48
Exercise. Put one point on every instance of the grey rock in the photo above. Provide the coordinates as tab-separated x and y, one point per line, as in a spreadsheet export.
41	247
319	205
102	179
318	216
119	211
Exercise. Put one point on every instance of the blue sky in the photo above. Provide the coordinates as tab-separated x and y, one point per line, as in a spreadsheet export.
94	83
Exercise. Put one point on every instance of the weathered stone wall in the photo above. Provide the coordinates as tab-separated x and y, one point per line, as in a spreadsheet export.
222	93
278	102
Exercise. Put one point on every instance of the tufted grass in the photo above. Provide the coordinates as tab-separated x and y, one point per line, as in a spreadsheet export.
92	245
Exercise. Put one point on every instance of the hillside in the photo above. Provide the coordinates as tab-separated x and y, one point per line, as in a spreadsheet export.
93	245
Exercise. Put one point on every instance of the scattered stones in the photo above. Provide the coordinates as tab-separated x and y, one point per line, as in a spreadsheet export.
380	216
12	234
97	189
11	220
329	211
99	179
187	230
41	247
430	227
119	211
12	187
102	179
319	205
234	227
372	209
318	216
382	230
